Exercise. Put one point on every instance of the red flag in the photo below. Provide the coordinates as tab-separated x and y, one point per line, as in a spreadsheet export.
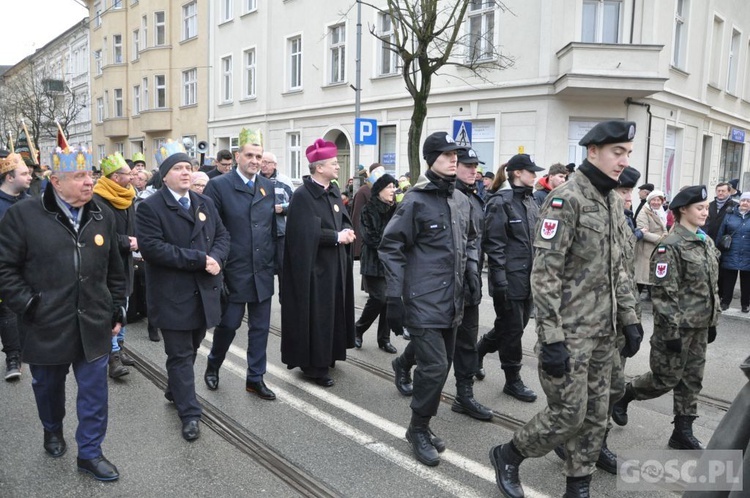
62	142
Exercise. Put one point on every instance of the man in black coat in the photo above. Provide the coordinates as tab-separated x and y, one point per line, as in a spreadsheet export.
246	203
184	244
60	271
222	164
317	291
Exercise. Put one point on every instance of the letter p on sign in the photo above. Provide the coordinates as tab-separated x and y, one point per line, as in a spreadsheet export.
365	131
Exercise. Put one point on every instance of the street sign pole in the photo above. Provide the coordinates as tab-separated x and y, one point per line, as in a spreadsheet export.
357	90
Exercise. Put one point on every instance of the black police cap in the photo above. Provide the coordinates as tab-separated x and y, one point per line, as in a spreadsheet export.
439	142
609	132
689	195
468	156
629	177
522	161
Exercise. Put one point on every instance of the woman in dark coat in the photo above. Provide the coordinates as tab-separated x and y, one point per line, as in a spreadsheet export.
375	216
737	258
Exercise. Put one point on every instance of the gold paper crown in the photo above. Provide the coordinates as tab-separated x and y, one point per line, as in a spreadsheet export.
112	163
252	137
10	163
73	160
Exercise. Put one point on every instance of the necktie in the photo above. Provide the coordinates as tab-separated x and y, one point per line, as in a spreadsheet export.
250	184
184	202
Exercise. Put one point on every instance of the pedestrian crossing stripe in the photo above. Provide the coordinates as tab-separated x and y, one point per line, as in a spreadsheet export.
557	203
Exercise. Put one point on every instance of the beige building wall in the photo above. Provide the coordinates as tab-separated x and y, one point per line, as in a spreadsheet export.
160	68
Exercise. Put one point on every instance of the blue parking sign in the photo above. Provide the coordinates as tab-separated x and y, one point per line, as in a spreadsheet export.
365	131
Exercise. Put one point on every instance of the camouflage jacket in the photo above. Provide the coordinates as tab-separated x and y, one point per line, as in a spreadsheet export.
685	274
579	281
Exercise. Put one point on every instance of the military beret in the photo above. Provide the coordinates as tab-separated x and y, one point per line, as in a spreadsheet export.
609	132
629	177
687	196
522	161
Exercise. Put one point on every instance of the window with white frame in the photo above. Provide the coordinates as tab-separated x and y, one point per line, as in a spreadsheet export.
136	44
120	147
118	103
97	14
734	62
249	74
101	152
747	77
250	5
190	86
160	91
601	21
117	49
717	44
234	144
226	79
144	86
679	49
106	104
136	100
227	10
158	142
160	28
388	59
294	49
99	109
144	30
189	20
105	47
294	153
98	61
116	4
337	48
481	18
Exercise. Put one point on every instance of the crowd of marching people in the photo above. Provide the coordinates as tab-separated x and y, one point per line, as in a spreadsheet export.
193	250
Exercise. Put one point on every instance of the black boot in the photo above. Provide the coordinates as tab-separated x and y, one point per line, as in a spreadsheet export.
402	378
418	434
116	368
506	460
607	458
515	387
125	358
682	435
465	403
153	333
620	409
482	351
577	487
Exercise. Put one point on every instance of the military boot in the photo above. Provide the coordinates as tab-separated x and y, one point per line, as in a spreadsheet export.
515	387
682	435
465	403
116	368
620	409
577	487
125	358
418	434
482	351
506	461
607	458
402	377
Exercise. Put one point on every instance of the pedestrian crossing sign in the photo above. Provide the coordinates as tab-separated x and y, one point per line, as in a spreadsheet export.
462	132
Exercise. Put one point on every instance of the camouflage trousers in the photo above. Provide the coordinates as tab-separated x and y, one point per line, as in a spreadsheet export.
681	372
577	406
617	382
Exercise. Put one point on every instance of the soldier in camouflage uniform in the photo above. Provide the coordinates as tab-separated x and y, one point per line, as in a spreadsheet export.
581	290
685	273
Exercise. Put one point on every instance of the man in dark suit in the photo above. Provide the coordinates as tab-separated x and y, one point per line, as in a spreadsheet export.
246	203
222	164
184	244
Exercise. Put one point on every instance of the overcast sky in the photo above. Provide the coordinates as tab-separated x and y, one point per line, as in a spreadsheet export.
28	25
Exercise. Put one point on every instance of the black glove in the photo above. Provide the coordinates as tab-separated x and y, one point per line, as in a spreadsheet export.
471	278
711	334
674	345
555	359
633	337
499	293
395	315
31	305
120	316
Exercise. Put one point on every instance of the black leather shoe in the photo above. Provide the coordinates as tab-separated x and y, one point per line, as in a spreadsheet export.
472	408
436	441
153	333
100	468
358	341
211	378
325	381
403	378
518	390
506	463
421	444
54	444
260	389
191	430
168	396
388	348
480	374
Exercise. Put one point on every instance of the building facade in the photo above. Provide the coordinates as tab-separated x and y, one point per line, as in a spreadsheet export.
678	68
149	74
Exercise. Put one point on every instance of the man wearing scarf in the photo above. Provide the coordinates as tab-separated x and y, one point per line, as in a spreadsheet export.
113	191
581	291
429	252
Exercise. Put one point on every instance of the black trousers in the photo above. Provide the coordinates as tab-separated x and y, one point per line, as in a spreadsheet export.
374	307
431	350
727	281
465	361
511	317
9	334
181	347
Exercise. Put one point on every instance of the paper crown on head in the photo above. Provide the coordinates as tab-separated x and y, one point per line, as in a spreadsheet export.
72	160
321	150
376	174
167	149
252	137
112	163
138	157
11	162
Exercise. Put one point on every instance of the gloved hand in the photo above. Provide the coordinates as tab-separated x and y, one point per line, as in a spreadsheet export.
555	359
471	278
711	334
674	345
120	316
395	315
633	337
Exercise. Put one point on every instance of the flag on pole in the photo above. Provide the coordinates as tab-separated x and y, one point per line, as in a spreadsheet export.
62	142
24	148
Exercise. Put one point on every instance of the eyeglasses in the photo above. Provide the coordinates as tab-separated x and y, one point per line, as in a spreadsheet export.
199	185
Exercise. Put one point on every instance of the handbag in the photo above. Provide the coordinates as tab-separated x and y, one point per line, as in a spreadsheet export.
725	242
